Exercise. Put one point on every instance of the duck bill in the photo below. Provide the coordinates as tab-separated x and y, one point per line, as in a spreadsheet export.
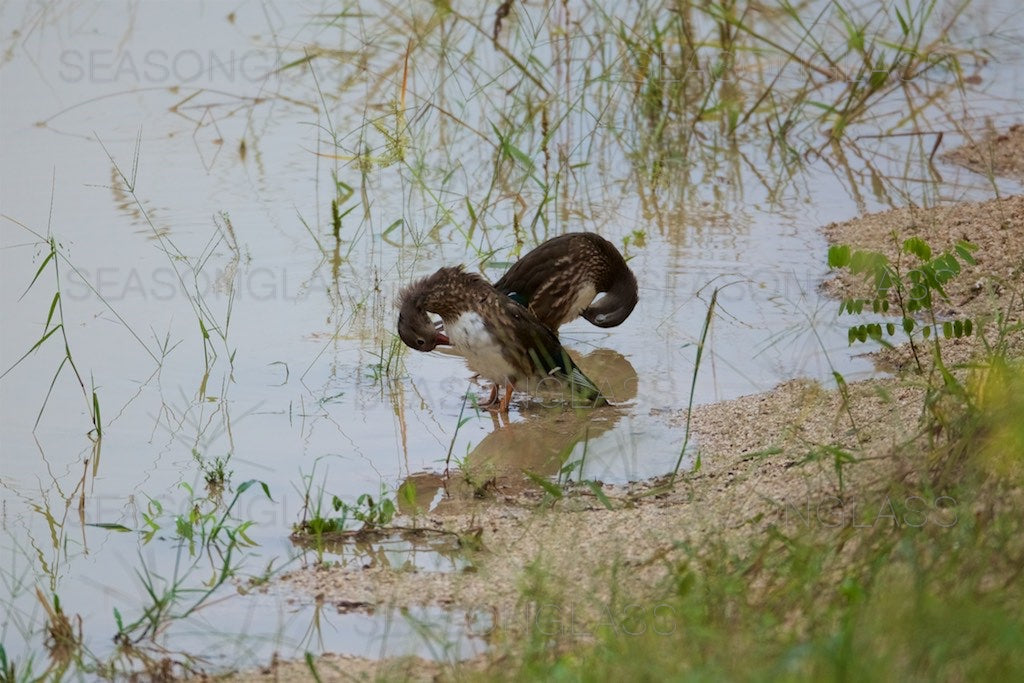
439	336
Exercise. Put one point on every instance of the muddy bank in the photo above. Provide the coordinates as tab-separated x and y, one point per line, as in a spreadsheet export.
982	292
998	153
754	473
994	226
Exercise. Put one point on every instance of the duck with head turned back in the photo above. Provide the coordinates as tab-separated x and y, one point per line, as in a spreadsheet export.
560	279
500	339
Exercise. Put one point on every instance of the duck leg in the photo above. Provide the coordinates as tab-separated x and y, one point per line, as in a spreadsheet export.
491	398
509	388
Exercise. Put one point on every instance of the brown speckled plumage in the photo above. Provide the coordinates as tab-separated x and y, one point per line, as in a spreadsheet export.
500	339
559	279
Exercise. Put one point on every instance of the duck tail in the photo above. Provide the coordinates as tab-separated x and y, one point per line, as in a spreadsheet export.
583	388
561	366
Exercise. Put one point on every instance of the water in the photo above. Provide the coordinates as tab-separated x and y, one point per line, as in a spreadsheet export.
122	136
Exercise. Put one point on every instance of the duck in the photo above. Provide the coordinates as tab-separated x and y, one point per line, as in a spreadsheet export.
560	279
502	340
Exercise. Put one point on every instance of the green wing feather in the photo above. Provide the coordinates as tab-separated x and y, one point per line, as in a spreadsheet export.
547	355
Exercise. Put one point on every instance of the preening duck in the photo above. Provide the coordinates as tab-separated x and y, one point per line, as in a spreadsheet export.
560	279
501	339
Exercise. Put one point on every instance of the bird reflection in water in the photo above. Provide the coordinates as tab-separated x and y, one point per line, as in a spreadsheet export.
541	443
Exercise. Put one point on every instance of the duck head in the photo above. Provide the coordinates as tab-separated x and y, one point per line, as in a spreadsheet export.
419	332
415	327
617	303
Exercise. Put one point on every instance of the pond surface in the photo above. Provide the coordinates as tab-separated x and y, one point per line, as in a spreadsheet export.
184	160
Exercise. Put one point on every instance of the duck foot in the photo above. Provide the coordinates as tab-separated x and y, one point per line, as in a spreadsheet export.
491	398
496	406
509	388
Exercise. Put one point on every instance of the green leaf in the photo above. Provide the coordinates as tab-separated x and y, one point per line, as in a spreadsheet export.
97	422
53	306
42	339
388	230
599	492
386	511
964	249
552	489
511	151
839	256
297	62
918	247
879	75
311	665
240	532
49	257
903	22
246	484
183	527
408	492
112	526
946	267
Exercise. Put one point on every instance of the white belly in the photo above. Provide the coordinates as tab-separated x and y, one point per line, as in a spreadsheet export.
469	336
584	297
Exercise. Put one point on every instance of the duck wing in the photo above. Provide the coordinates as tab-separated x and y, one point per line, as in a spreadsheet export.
559	279
531	347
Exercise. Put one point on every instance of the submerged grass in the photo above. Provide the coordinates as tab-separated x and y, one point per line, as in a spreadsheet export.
55	322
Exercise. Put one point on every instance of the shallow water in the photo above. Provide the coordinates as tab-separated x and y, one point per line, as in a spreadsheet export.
122	136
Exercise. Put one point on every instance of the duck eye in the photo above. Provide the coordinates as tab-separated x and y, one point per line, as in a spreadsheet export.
420	342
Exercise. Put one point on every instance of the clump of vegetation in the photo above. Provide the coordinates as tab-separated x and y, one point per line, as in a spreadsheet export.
322	522
55	322
911	290
63	636
214	471
953	409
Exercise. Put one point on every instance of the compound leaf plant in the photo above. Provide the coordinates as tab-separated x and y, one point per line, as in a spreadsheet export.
913	292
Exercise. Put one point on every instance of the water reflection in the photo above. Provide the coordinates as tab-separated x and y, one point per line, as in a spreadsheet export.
548	435
399	549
